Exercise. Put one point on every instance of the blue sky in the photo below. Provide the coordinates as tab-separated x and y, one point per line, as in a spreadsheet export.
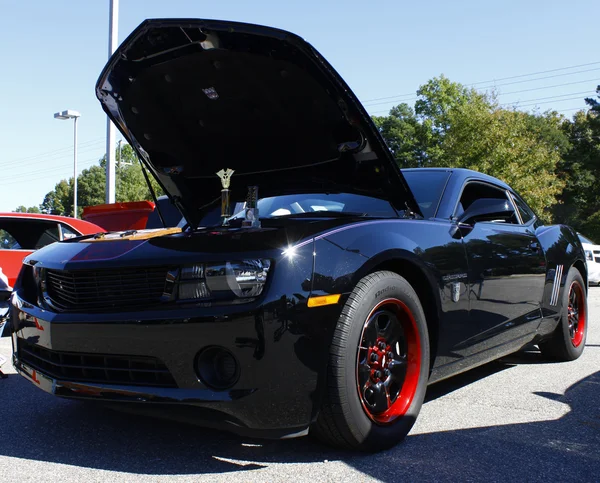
53	50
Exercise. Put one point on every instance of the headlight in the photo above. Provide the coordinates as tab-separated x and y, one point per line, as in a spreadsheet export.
222	281
589	255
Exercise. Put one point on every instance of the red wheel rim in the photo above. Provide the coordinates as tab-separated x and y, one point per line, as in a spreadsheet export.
388	362
576	316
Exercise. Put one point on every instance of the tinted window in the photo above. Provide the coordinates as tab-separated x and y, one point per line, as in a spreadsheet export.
427	188
7	241
295	204
68	233
475	191
168	210
524	210
27	234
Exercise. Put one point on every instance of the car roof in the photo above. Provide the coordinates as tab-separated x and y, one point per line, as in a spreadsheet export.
82	226
463	174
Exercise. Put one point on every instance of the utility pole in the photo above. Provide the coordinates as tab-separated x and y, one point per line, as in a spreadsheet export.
113	28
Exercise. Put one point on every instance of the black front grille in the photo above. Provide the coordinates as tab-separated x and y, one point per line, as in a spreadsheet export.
96	368
105	290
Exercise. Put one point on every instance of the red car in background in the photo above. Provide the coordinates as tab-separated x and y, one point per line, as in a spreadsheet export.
23	233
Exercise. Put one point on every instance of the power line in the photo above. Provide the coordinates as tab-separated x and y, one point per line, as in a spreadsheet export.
47	153
539	78
549	87
516	104
501	93
546	102
44	160
494	81
537	73
57	169
544	98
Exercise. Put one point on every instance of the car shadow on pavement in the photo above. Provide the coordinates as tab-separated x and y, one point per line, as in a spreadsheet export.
36	426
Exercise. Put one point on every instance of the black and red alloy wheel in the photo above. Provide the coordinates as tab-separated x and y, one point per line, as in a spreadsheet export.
388	362
576	314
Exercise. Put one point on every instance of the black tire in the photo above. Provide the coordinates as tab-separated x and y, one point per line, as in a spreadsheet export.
351	417
568	339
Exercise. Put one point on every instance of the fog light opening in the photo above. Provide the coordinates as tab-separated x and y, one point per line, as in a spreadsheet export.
217	367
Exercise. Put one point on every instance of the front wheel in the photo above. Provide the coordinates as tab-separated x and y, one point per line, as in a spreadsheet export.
378	366
568	340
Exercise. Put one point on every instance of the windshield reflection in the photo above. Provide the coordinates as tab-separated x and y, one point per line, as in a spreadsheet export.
334	203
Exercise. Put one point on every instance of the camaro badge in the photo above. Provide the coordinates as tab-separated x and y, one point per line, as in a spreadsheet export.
455	291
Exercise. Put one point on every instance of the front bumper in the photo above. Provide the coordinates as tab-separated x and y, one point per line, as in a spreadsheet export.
281	348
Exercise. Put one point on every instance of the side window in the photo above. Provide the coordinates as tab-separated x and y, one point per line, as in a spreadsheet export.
7	241
48	236
476	194
27	234
524	210
68	233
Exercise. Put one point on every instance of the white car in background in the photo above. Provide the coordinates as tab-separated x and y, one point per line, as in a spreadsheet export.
592	256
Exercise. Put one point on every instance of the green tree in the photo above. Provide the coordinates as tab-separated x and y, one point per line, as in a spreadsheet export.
60	200
91	187
130	185
23	209
404	135
580	170
594	104
454	126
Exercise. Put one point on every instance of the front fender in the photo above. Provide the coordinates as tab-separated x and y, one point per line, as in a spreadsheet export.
343	257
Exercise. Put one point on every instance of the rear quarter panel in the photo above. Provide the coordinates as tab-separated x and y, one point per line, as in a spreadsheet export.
563	250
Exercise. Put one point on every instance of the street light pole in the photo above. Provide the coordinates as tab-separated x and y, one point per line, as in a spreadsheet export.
113	26
75	167
64	115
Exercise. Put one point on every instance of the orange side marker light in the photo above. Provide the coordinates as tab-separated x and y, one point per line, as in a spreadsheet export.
324	300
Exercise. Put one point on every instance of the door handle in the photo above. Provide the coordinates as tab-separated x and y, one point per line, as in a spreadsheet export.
534	246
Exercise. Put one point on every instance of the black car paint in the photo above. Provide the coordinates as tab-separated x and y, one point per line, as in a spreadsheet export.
280	343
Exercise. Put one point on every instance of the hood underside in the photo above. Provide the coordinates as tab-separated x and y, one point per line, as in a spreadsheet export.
197	96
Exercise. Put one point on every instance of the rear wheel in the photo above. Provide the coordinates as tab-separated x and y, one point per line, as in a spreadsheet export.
568	340
378	366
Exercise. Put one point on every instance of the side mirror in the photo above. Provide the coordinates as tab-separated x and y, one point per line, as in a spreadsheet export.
487	209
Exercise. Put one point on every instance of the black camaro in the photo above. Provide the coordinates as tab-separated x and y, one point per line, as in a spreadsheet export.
313	286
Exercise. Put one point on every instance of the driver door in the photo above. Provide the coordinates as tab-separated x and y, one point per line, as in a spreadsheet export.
506	273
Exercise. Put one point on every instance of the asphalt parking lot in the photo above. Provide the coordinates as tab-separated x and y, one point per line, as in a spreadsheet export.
520	419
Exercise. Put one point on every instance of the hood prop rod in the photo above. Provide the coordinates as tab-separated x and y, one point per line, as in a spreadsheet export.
153	194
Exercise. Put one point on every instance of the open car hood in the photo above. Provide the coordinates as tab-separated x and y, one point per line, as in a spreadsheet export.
197	96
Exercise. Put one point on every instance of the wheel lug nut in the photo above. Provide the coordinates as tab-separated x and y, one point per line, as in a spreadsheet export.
386	372
377	374
390	355
382	345
373	357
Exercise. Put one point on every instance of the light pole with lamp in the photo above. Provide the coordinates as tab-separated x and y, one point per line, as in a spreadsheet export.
70	114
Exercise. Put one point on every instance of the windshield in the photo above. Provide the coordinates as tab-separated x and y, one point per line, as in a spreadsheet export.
297	204
427	188
307	205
